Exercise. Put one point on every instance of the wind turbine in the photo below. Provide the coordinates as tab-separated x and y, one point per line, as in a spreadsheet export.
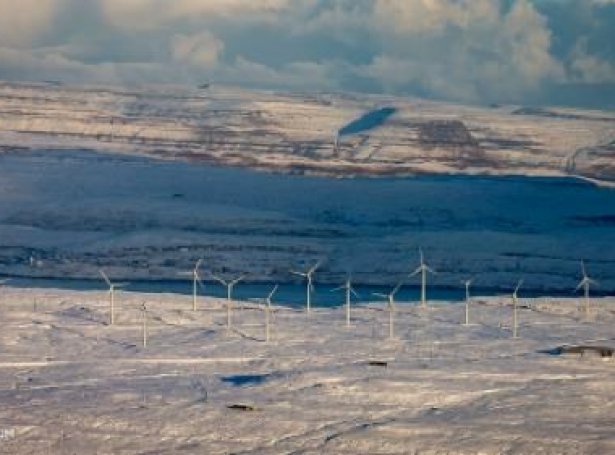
585	283
112	288
423	269
349	290
229	294
196	281
144	312
267	307
308	275
391	304
515	305
268	311
467	284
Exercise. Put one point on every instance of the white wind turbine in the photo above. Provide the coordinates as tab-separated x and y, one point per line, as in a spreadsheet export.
423	269
229	295
467	284
267	307
196	281
309	276
347	286
144	314
515	305
112	288
391	304
585	283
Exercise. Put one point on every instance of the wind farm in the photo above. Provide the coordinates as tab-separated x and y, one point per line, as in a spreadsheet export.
207	348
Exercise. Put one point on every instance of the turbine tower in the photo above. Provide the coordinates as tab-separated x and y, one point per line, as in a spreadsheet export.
196	281
349	290
308	275
266	302
586	283
391	304
112	288
515	305
229	294
268	312
467	284
144	313
423	269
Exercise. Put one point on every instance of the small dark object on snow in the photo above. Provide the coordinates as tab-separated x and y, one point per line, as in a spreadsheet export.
242	407
602	351
378	363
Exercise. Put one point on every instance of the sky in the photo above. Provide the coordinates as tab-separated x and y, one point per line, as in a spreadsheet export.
558	52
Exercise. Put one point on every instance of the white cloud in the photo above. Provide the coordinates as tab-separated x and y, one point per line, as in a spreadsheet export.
152	14
22	21
462	49
467	50
590	69
200	50
418	16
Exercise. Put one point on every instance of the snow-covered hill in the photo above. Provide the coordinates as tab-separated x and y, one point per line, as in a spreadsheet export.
298	132
72	383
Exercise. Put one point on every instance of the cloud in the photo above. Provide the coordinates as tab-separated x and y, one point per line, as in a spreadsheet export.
463	50
23	21
420	16
200	50
130	13
590	69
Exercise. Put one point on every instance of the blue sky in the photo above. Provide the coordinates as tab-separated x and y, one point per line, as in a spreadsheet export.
476	51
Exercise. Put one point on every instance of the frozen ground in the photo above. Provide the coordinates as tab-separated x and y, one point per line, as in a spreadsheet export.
71	383
296	133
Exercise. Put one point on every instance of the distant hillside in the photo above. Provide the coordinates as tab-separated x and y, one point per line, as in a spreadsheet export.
328	134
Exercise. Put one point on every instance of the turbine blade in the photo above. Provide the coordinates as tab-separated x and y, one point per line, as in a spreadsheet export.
273	291
237	280
397	288
355	293
218	279
299	273
200	282
337	289
105	277
417	271
316	266
378	294
198	264
430	270
583	269
518	286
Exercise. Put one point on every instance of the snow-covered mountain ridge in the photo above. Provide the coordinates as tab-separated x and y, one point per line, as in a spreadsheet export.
298	133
